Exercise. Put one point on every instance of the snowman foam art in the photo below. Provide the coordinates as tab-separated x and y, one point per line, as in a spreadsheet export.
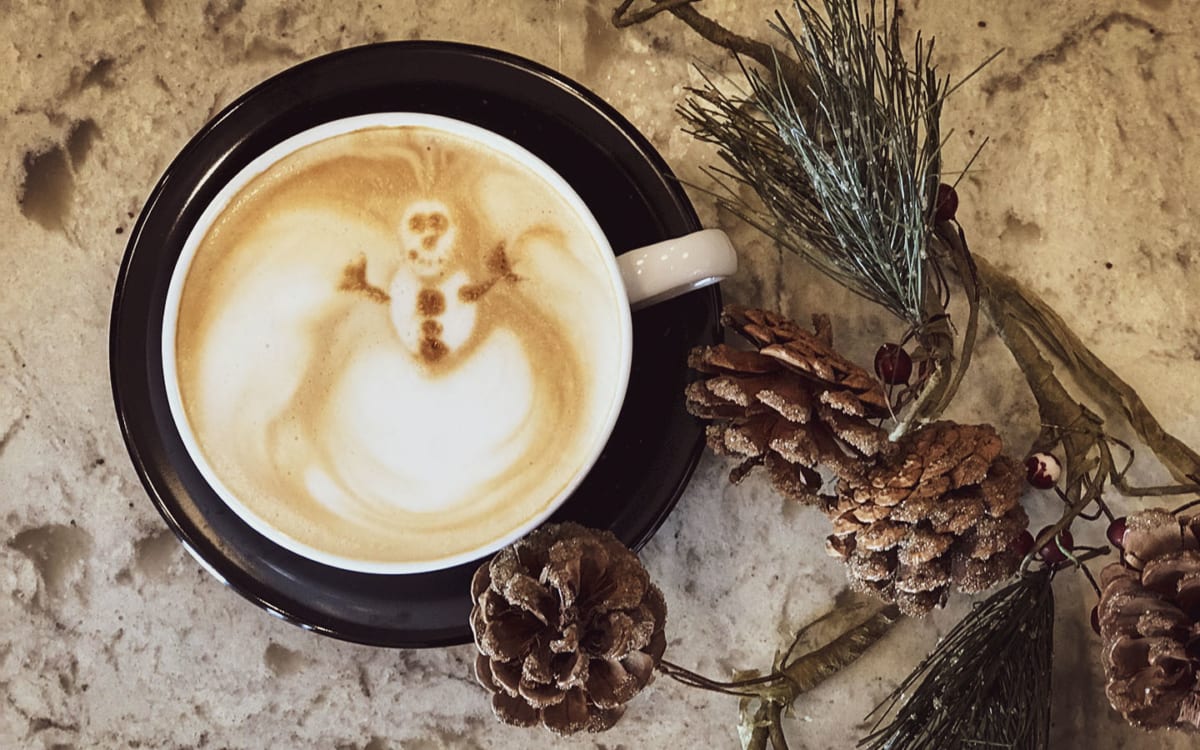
398	334
431	297
447	359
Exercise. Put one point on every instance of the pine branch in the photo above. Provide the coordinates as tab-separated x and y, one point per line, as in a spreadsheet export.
844	162
987	684
848	184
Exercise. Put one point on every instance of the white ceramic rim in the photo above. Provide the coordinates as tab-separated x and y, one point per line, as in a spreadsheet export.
259	165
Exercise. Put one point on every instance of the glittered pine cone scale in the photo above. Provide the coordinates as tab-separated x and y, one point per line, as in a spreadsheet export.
1149	617
791	405
938	513
569	628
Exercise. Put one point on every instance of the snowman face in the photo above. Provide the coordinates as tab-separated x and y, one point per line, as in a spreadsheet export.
427	237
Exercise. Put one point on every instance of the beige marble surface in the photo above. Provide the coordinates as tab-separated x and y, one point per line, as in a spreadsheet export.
113	637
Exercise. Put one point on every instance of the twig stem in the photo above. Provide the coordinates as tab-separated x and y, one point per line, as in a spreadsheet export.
763	54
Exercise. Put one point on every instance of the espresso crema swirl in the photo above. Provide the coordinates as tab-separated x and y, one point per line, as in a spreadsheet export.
396	344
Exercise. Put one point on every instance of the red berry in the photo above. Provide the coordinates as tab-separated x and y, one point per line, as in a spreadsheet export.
947	203
893	365
1096	619
1116	533
1042	470
1022	544
1053	553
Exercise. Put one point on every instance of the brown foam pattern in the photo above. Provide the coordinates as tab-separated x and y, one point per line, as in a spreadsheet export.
395	343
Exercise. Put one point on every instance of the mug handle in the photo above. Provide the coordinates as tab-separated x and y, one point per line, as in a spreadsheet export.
656	273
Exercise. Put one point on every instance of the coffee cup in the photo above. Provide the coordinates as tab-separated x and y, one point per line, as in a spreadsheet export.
397	342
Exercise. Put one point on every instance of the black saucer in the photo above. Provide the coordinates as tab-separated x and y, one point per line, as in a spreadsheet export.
629	189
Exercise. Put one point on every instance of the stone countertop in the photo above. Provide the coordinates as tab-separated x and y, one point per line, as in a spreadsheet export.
114	637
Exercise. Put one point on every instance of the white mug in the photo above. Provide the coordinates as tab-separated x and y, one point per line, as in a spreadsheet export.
638	278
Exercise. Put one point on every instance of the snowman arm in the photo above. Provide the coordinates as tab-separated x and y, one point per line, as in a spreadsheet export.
499	265
500	260
354	279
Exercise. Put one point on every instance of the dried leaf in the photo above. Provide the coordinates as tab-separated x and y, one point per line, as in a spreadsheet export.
814	667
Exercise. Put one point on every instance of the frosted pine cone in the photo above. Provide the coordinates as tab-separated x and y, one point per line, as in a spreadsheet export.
569	628
792	404
1150	623
938	513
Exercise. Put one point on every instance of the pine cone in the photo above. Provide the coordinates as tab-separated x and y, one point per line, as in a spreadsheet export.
939	512
792	404
569	628
1150	623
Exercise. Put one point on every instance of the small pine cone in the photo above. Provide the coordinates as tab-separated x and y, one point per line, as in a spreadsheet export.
938	513
1150	622
791	405
569	628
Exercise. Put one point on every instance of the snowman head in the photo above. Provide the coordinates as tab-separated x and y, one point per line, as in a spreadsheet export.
427	237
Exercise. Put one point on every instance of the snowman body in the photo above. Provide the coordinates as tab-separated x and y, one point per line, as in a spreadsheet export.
399	409
430	316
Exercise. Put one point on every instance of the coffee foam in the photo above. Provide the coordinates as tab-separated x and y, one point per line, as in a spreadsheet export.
396	345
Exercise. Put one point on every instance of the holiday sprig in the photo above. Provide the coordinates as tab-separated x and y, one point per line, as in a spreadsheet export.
815	137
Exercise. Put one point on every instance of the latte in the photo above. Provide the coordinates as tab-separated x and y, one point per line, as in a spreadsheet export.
396	345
